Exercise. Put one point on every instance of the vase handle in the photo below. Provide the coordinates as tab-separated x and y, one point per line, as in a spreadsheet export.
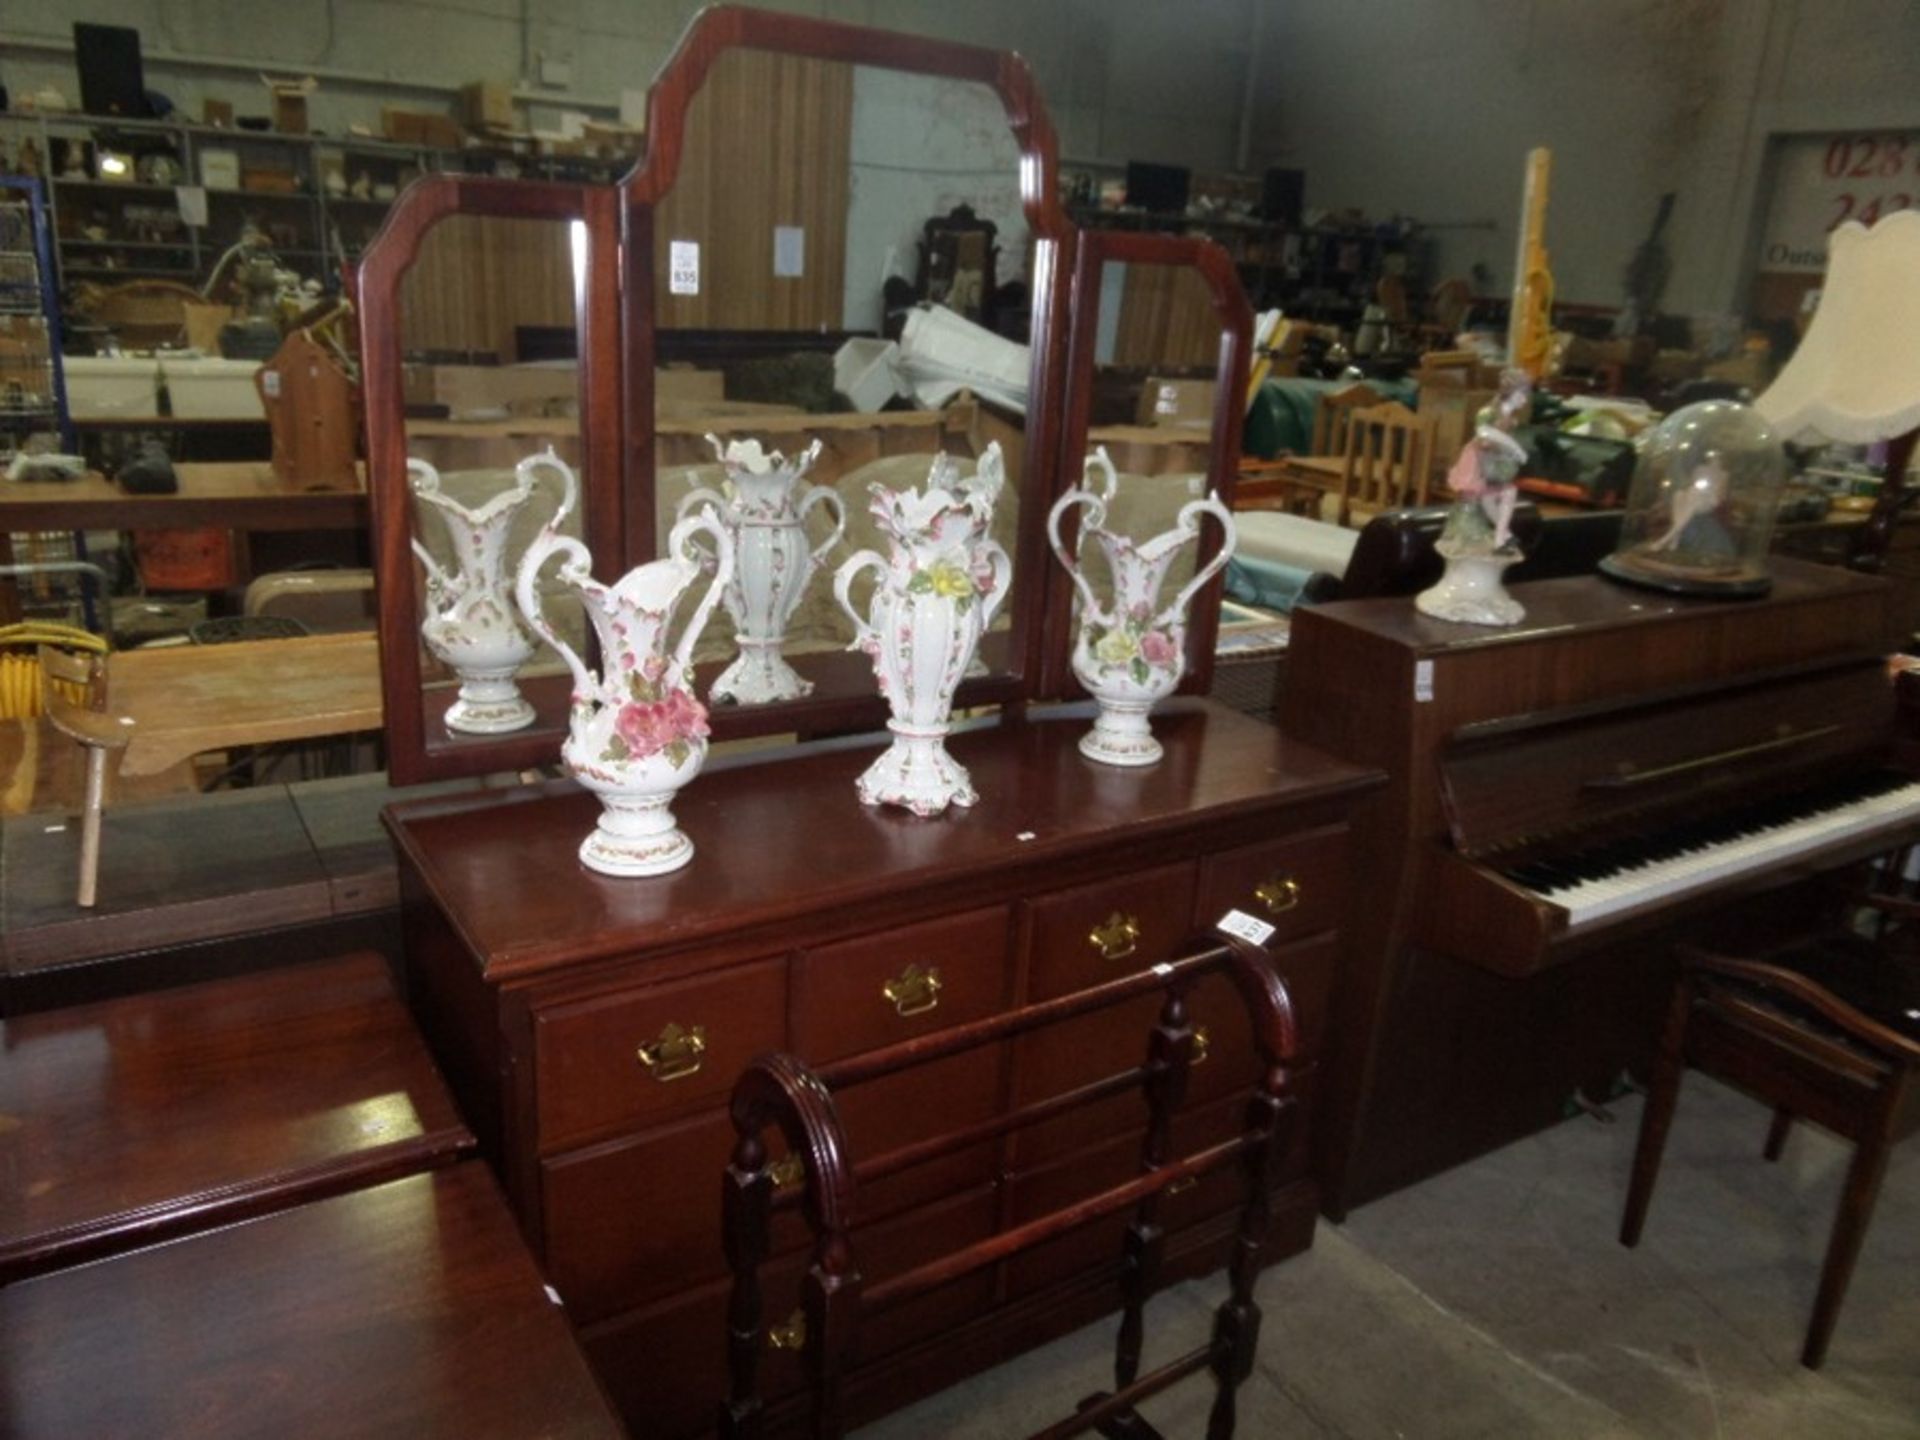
577	570
842	586
1002	564
698	495
1189	521
1096	512
680	546
527	473
821	495
424	481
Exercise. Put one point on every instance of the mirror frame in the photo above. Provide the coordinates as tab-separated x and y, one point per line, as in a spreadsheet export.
412	755
1096	249
712	33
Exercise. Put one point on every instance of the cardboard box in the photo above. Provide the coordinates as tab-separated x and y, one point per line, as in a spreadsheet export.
1177	402
290	103
487	105
425	128
218	113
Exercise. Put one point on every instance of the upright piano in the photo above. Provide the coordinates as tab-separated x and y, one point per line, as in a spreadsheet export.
1565	799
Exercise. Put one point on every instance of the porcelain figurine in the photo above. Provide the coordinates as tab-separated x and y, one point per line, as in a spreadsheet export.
1477	543
935	592
636	734
764	505
471	625
1131	650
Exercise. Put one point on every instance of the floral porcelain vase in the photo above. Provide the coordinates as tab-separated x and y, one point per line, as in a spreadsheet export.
764	505
1131	650
471	626
636	733
935	592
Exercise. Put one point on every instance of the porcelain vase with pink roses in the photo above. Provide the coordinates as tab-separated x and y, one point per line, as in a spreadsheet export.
1131	649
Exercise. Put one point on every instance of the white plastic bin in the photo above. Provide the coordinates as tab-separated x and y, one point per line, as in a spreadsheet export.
213	389
112	387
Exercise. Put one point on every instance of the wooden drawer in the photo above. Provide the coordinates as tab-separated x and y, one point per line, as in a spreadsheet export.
1142	918
633	1220
590	1078
665	1367
1079	1052
1297	885
1220	1192
858	995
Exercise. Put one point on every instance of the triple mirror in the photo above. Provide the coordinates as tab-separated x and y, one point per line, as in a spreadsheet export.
673	339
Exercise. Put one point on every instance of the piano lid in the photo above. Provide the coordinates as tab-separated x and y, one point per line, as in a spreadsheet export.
1534	781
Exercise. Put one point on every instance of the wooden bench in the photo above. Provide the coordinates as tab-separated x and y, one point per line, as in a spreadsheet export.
411	1308
149	1116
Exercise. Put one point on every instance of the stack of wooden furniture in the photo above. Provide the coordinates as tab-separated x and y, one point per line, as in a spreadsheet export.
277	1157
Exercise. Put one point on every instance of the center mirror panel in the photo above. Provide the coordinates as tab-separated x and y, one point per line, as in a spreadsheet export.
839	295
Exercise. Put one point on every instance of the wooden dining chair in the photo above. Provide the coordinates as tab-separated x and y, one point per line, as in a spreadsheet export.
1333	412
1825	1029
74	694
1388	464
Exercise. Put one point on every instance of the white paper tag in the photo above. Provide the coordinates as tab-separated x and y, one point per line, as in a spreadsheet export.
1168	402
789	251
191	201
1422	681
270	384
1244	926
683	267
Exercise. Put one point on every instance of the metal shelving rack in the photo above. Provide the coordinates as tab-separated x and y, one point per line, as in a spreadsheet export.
33	384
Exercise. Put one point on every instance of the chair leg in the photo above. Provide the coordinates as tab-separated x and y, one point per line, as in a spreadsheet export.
1777	1132
1864	1175
90	825
1662	1095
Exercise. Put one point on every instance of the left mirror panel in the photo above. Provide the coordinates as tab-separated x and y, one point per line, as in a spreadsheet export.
477	426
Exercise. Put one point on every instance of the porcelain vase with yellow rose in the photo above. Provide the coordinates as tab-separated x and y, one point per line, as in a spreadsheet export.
1131	649
935	592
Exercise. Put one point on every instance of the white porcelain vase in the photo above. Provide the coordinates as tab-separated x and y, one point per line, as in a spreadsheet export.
1131	650
936	590
764	505
636	733
471	626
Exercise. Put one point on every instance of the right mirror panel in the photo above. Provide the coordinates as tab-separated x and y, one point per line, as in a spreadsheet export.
1158	375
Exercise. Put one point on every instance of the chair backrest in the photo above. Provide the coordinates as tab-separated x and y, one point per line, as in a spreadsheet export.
326	602
1389	458
74	694
1332	413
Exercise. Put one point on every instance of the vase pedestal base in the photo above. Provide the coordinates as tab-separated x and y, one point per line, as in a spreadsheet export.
1121	735
489	706
917	773
636	837
759	675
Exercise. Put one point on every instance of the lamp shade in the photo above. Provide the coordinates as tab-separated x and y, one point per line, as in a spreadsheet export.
1856	376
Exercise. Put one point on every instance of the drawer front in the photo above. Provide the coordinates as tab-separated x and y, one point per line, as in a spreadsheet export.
1297	885
631	1221
1082	1051
1100	932
626	1060
665	1368
881	989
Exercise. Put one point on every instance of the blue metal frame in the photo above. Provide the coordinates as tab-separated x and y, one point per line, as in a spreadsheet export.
49	295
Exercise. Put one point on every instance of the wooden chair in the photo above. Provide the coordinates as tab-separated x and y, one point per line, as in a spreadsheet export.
1332	413
1388	464
780	1091
1825	1029
74	694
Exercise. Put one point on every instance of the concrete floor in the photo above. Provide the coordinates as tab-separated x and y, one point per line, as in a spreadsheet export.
1495	1301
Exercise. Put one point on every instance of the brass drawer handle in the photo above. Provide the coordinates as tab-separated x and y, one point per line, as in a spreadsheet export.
676	1054
913	991
787	1172
790	1336
1279	894
1117	937
1182	1185
1202	1045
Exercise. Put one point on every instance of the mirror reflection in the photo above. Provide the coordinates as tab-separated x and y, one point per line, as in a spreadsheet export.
828	329
488	329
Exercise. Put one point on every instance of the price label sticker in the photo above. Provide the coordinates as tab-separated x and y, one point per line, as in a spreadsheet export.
270	384
1423	682
683	267
1245	927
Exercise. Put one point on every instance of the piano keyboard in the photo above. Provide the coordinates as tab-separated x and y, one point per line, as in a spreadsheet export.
1629	873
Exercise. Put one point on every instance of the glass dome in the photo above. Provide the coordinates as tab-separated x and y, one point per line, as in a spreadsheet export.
1700	514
